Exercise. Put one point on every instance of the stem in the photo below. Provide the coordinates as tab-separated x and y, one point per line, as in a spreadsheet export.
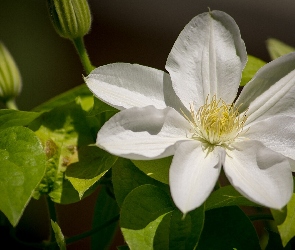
33	245
52	215
92	231
51	209
261	217
52	244
10	104
88	233
82	52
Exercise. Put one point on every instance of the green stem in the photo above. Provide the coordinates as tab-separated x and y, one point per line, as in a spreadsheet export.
52	215
10	104
52	244
261	217
82	52
51	209
33	245
92	231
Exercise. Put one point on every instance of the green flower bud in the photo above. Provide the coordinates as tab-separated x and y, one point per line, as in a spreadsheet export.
71	18
10	79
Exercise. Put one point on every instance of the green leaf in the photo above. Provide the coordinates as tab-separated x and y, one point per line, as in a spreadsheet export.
176	232
65	193
100	107
92	165
227	196
277	48
157	169
252	66
184	233
95	122
126	177
62	130
274	242
161	238
285	220
105	209
11	118
99	114
142	211
180	229
228	228
197	221
149	220
60	239
22	166
81	91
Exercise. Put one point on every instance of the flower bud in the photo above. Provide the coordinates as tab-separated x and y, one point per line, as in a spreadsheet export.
71	18
10	79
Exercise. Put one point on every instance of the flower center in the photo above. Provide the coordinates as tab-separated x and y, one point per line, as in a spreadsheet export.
216	122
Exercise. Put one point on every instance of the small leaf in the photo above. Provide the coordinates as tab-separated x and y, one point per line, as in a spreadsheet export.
252	66
141	213
92	165
157	169
277	48
105	209
285	221
228	228
127	177
274	242
10	117
101	107
227	196
95	122
65	193
81	91
22	166
60	239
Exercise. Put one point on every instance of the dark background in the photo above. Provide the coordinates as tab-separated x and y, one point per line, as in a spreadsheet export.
132	31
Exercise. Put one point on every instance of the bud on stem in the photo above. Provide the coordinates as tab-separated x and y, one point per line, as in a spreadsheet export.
10	79
71	18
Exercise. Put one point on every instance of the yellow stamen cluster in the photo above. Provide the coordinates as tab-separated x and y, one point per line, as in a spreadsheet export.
216	122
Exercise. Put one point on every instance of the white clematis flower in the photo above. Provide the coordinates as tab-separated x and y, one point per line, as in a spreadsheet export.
191	113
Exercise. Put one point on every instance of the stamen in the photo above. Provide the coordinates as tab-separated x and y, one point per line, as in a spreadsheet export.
216	122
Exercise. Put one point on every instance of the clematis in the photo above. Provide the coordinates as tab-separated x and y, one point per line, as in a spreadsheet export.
194	114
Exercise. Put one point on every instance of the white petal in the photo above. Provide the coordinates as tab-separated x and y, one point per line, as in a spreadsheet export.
207	58
292	164
143	133
193	174
124	85
276	133
271	91
260	174
171	99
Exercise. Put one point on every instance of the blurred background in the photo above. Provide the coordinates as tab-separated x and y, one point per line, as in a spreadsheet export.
124	31
131	31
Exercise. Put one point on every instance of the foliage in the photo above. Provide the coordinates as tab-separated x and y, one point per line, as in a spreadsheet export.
50	151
